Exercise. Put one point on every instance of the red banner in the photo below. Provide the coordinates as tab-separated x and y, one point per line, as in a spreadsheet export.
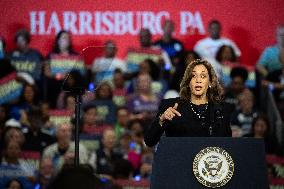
251	24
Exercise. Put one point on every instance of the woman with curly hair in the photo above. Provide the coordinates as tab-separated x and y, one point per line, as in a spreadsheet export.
198	112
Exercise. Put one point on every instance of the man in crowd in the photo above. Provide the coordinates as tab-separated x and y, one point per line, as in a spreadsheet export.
208	47
105	157
172	46
62	152
174	49
147	50
103	67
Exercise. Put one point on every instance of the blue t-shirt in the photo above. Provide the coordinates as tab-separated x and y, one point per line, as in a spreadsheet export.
270	59
172	48
106	110
29	62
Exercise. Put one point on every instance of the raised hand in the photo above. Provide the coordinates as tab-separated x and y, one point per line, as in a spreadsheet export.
169	114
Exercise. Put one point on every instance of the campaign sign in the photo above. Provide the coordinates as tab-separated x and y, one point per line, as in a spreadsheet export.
10	88
8	172
58	117
61	64
136	56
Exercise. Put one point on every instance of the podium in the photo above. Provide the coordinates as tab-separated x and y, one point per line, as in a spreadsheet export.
176	163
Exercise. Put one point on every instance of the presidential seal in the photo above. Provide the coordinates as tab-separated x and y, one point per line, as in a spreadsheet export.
213	167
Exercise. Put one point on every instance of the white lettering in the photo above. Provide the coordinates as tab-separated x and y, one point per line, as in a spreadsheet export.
120	24
106	20
185	21
148	20
111	22
53	24
97	23
198	23
134	25
34	22
69	20
159	20
189	23
85	23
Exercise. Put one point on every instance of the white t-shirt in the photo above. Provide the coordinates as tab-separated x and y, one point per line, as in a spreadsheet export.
104	67
217	68
208	47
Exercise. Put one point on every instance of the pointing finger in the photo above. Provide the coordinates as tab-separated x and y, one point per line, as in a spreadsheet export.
175	106
176	112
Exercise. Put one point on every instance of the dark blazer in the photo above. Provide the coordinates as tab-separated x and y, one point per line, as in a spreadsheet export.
188	124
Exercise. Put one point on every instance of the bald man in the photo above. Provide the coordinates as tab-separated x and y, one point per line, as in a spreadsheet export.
63	151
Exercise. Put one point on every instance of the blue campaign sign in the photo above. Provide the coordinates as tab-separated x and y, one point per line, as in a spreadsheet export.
8	172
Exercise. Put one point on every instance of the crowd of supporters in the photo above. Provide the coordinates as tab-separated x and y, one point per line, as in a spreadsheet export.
37	110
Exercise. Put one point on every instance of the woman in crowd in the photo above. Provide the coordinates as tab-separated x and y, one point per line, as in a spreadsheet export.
106	109
143	103
148	66
260	128
28	100
56	67
11	157
226	54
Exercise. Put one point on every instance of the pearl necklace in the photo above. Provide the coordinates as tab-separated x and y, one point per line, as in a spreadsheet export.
196	113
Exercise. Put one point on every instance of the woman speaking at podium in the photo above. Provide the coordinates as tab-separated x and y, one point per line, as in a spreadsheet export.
198	112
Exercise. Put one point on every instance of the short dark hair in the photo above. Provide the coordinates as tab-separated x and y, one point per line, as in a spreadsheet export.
89	106
239	71
121	108
122	169
103	83
24	33
10	181
220	51
195	54
214	21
